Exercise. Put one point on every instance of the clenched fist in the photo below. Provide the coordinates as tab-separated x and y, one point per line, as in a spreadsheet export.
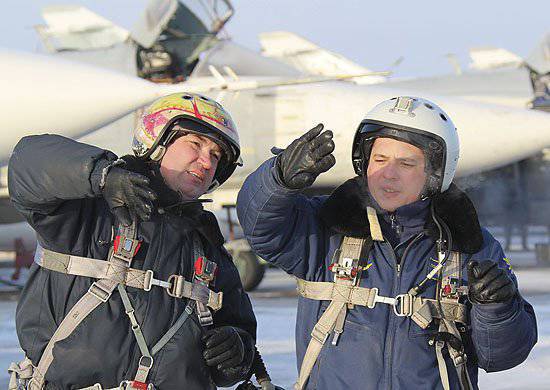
128	194
487	283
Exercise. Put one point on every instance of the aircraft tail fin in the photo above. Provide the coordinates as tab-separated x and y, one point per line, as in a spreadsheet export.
311	59
538	63
74	27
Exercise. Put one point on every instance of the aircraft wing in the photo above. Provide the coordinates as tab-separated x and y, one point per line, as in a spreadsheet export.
311	59
506	86
74	27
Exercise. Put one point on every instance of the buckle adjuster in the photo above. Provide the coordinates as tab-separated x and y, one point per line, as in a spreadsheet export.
403	306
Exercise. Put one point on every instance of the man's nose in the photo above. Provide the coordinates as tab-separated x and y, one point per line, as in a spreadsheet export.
389	171
205	159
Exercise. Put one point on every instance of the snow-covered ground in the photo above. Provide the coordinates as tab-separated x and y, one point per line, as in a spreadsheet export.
275	307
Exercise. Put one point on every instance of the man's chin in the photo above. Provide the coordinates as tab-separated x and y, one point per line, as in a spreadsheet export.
191	193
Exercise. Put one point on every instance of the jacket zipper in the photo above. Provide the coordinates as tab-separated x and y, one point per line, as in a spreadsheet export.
391	323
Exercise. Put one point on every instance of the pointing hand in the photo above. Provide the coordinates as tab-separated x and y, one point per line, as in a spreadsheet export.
306	158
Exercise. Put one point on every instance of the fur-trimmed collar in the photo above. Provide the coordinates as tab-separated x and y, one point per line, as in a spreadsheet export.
345	212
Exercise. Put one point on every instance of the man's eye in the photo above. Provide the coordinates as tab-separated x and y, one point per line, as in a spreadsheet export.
408	165
217	156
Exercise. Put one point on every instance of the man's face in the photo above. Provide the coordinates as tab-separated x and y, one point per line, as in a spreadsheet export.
395	173
189	164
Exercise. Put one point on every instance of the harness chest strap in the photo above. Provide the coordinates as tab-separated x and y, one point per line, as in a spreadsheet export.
176	286
421	310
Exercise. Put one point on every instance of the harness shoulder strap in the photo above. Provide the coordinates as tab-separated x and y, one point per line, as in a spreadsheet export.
346	275
449	290
120	256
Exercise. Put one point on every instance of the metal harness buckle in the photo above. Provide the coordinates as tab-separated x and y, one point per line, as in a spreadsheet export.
149	281
99	292
403	306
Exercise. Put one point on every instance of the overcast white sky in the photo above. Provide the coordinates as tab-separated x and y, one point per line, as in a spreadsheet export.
372	33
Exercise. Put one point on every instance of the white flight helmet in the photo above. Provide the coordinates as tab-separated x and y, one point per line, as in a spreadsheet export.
416	121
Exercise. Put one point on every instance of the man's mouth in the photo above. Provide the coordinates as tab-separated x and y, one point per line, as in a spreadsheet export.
389	190
196	175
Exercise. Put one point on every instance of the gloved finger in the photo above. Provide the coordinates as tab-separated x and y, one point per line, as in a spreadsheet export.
497	285
138	179
217	359
214	338
139	204
323	149
122	214
230	363
144	213
321	139
146	193
489	278
325	164
311	134
211	352
276	151
479	269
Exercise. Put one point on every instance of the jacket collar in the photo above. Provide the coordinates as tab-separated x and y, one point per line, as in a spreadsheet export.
189	215
345	212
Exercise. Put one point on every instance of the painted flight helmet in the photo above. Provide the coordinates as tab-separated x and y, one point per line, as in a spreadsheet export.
186	112
418	122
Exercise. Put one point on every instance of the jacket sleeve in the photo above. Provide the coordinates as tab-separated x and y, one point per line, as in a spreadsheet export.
49	178
237	312
503	334
280	224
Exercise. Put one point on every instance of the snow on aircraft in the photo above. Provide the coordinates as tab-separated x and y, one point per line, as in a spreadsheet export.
173	48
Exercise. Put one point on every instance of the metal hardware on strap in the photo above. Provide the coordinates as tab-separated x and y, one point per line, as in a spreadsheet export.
403	306
99	292
176	286
149	281
319	335
378	299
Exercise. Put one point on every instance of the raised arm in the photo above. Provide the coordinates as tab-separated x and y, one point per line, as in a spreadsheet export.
280	224
53	182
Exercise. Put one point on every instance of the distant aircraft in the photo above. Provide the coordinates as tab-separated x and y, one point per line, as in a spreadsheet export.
173	49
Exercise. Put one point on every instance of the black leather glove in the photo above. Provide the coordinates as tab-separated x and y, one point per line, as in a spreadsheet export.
127	194
487	283
229	351
306	158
